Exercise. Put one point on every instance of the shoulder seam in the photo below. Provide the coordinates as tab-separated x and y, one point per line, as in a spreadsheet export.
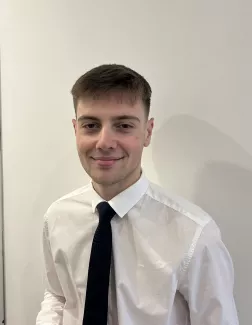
173	205
189	255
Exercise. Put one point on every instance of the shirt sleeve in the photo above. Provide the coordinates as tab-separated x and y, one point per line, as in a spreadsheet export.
207	282
51	312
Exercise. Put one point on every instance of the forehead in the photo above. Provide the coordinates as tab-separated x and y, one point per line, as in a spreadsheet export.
110	107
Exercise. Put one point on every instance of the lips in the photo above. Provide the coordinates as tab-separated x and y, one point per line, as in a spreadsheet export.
106	161
106	158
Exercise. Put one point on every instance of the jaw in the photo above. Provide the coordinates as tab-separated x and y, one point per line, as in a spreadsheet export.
108	185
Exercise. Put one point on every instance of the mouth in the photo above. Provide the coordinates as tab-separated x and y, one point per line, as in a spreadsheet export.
106	161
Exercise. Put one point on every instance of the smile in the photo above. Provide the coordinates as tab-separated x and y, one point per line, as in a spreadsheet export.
106	158
106	161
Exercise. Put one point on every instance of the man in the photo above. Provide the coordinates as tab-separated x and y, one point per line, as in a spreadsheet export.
122	251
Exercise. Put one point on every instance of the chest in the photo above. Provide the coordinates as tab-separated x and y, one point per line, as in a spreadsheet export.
146	253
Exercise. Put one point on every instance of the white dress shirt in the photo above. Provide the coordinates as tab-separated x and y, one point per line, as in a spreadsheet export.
169	266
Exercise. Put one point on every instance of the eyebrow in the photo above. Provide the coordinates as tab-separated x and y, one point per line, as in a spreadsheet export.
116	118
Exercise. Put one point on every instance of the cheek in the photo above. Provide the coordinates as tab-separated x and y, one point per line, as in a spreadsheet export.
82	144
135	145
139	141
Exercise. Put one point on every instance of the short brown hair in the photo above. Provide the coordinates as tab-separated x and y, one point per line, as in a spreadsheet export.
111	79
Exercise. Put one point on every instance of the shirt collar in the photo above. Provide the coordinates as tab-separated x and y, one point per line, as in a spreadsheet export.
124	201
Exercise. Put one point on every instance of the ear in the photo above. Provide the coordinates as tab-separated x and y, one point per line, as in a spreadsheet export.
74	125
149	129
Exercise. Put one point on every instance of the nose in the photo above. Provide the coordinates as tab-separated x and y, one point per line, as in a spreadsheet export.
106	139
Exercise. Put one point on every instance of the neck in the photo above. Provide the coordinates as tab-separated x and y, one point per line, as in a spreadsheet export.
107	192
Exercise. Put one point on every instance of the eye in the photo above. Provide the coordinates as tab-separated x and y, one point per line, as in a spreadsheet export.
125	126
90	126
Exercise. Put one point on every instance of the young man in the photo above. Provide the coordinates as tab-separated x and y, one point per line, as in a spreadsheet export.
121	251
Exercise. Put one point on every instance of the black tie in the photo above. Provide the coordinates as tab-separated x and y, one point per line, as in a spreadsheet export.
96	303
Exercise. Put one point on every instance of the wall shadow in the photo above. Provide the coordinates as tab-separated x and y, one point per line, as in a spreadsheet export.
199	162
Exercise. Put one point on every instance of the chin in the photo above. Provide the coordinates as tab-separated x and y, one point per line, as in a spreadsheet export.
105	180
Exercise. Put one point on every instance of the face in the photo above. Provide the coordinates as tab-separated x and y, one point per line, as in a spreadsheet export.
110	137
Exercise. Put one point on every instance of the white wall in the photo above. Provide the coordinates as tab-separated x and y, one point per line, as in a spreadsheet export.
197	57
1	226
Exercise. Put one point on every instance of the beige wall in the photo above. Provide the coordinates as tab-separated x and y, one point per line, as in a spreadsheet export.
1	224
197	57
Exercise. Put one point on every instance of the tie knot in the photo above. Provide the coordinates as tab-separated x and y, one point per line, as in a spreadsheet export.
106	212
